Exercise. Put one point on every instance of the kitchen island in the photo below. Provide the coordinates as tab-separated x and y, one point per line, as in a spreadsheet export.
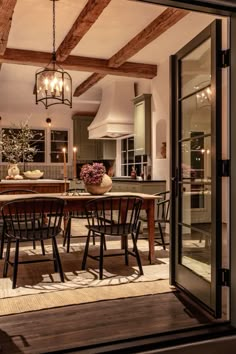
120	184
36	185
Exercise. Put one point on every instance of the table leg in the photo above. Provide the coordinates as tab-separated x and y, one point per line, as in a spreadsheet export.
151	230
65	221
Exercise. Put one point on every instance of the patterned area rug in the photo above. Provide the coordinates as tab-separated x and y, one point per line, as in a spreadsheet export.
38	287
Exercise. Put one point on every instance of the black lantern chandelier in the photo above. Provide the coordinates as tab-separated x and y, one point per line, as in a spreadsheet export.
53	84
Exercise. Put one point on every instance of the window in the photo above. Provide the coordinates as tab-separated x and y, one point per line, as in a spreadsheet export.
38	141
59	140
128	158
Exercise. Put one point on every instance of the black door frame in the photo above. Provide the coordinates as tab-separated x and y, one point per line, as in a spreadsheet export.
224	8
209	293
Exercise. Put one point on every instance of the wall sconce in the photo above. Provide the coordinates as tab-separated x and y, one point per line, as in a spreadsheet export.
49	121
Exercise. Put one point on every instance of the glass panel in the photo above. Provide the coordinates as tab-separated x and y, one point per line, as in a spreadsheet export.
196	253
124	157
130	156
131	143
196	69
39	157
196	231
58	157
59	135
196	114
58	146
123	145
196	158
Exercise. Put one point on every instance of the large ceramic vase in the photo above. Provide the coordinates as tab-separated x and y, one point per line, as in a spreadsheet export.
13	170
98	189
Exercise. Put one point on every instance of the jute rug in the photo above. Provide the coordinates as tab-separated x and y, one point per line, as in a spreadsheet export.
38	287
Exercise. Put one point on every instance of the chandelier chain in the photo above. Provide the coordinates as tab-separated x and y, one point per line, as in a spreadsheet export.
54	28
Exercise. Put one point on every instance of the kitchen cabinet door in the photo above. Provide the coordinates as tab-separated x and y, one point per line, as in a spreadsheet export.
142	125
87	148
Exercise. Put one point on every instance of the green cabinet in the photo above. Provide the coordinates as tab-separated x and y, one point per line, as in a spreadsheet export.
87	148
142	124
91	149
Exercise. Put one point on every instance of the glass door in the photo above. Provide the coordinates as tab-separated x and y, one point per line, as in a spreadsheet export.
196	184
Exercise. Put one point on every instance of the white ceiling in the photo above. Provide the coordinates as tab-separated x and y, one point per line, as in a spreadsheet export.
120	22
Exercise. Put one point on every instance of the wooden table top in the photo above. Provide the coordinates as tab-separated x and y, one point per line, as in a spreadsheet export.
80	196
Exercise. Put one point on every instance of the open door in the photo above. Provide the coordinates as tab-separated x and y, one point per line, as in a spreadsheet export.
196	157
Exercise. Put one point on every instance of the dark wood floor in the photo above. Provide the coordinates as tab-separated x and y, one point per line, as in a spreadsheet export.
96	323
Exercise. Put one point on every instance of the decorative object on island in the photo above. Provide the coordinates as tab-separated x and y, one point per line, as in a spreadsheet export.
163	150
13	172
16	146
95	179
35	174
133	174
53	85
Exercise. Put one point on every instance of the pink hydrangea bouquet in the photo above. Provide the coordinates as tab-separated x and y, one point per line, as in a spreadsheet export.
92	174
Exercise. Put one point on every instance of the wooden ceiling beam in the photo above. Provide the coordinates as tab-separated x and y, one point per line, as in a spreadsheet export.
83	23
76	63
6	12
162	23
87	84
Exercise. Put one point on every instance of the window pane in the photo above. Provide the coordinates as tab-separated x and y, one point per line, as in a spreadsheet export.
59	135
130	143
37	142
59	140
58	157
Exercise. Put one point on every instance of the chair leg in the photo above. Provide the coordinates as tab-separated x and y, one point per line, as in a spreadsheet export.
86	251
6	262
2	242
42	247
137	255
126	251
67	235
137	232
34	245
162	237
54	258
58	260
15	265
101	257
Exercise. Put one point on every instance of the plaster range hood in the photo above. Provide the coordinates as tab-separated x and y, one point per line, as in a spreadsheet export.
115	116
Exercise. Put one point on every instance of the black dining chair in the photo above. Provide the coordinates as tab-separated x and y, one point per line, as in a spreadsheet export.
117	217
32	219
2	238
162	216
75	215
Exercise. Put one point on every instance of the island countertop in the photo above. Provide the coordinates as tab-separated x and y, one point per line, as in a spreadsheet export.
13	181
36	185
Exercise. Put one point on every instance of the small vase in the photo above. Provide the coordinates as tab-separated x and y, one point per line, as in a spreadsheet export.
98	189
13	170
163	150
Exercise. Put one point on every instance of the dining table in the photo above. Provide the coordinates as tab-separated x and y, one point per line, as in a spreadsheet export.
76	202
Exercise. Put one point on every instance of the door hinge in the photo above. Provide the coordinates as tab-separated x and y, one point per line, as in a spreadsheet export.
224	277
224	168
225	58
